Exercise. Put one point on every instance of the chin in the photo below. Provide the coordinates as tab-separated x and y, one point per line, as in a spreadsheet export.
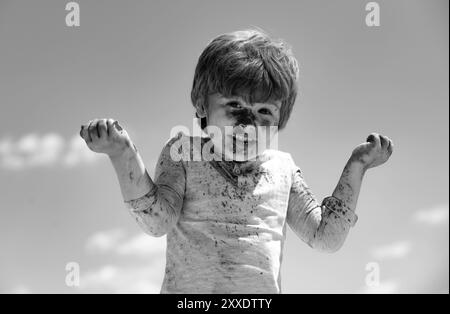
242	151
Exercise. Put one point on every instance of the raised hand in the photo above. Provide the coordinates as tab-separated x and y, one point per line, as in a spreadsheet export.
374	152
106	136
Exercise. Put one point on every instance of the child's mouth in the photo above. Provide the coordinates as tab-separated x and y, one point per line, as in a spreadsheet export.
242	138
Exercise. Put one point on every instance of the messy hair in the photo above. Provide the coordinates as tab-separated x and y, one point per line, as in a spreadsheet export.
249	64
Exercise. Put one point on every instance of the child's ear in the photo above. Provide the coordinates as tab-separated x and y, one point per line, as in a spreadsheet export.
201	112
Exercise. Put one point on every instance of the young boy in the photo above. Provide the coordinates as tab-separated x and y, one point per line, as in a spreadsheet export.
225	219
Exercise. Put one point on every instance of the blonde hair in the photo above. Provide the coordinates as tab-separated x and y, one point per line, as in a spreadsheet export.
249	64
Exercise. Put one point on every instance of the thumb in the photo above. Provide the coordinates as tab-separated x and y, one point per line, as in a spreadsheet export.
117	126
115	129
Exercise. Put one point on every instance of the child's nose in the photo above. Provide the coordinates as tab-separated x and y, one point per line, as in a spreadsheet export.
245	117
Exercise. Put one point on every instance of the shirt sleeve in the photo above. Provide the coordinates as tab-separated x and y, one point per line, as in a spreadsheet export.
321	226
159	210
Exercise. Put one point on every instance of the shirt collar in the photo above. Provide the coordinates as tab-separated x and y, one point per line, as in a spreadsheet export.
237	167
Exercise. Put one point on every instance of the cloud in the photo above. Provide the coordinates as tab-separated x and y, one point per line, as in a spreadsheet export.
40	151
116	242
144	278
142	245
392	251
433	216
130	279
387	287
21	289
7	159
33	150
138	278
104	241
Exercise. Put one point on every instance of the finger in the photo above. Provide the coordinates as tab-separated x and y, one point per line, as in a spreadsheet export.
115	128
109	126
102	129
87	135
374	139
391	147
84	132
371	138
384	142
93	133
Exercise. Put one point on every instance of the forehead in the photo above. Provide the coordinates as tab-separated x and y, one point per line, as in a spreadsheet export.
276	104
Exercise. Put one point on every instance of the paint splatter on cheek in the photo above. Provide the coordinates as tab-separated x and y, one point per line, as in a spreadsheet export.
237	117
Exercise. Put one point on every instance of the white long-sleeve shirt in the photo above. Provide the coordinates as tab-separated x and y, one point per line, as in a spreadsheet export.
226	221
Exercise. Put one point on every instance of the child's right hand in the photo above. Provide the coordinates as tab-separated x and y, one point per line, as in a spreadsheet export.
106	136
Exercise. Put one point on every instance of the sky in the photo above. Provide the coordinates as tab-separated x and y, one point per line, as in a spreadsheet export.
134	61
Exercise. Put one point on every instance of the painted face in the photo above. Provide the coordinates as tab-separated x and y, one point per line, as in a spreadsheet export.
243	127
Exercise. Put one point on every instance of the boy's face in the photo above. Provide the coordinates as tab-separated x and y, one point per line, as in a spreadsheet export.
242	118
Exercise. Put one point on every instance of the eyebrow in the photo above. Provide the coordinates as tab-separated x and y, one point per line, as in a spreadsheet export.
276	105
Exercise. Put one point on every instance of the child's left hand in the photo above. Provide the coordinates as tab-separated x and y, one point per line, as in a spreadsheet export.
375	152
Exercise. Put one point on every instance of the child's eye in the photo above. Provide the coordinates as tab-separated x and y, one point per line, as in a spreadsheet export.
264	111
235	105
